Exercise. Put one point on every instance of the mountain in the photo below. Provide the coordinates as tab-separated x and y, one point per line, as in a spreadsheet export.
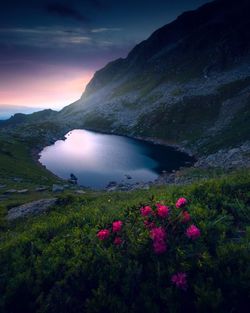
36	117
6	111
188	83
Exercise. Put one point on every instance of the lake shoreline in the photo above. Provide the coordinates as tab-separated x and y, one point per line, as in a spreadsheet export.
50	140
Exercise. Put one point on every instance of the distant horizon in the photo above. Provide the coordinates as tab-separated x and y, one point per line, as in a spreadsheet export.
49	53
6	111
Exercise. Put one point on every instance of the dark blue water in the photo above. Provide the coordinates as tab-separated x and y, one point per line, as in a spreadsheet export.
96	159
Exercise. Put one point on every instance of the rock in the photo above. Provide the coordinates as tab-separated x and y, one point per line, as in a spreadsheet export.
128	176
227	158
111	184
73	179
17	179
41	189
80	192
112	189
22	191
57	188
30	208
10	191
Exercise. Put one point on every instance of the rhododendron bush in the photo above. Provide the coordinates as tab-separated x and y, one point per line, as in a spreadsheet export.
162	257
161	230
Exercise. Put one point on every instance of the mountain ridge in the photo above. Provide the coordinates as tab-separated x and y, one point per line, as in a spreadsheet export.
183	76
187	84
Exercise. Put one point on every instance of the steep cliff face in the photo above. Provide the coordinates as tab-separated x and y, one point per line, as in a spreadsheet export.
210	39
188	83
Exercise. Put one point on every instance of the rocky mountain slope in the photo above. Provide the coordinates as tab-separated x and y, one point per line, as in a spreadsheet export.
188	83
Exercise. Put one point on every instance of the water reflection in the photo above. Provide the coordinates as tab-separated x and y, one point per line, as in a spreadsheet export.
96	159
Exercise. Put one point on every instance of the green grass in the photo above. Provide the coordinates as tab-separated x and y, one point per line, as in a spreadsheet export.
17	162
98	122
190	118
237	131
186	120
54	262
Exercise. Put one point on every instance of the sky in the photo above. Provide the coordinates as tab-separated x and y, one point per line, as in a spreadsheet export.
50	49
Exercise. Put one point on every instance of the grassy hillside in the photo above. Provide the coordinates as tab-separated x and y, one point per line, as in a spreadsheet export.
19	170
56	263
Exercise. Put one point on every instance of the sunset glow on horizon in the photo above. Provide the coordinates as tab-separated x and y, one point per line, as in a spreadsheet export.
56	90
50	51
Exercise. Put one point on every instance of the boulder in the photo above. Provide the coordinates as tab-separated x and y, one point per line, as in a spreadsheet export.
30	208
41	189
81	192
22	191
57	188
10	191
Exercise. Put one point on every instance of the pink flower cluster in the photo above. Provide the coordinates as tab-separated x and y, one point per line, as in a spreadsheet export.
157	219
185	217
104	234
193	232
181	203
180	280
158	235
117	226
146	211
162	210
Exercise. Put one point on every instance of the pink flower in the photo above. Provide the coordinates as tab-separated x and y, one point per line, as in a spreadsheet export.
158	234
103	234
163	211
118	241
180	280
146	211
193	232
181	202
117	226
159	246
185	217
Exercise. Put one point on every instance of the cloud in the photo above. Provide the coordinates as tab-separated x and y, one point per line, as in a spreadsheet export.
64	10
62	40
44	37
104	29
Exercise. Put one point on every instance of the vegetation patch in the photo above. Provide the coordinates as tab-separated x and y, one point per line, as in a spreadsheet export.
185	120
170	256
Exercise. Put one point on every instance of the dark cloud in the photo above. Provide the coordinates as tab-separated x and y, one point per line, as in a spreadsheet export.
66	11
